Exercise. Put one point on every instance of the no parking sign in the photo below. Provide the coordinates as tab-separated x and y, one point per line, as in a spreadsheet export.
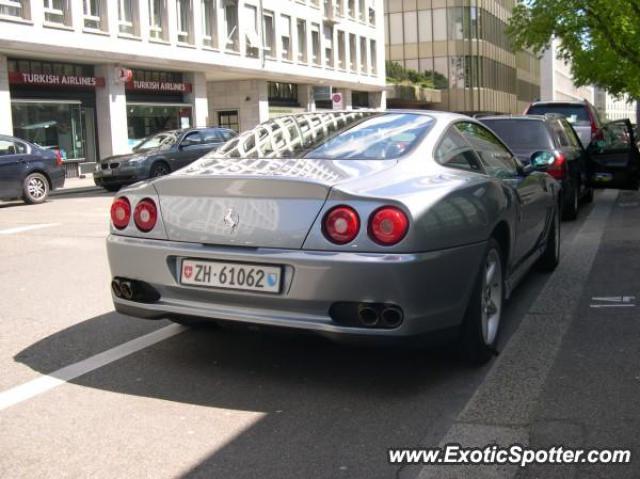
338	101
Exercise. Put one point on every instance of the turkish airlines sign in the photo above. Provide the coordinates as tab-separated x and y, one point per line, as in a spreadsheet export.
159	86
62	81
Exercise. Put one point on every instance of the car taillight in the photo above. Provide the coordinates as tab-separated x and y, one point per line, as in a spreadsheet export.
58	158
145	215
388	225
558	168
341	224
120	212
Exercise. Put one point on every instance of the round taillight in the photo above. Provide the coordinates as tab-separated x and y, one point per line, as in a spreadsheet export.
120	212
145	215
341	224
388	225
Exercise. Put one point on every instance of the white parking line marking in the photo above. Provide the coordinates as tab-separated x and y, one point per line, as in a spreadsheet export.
22	229
45	383
614	302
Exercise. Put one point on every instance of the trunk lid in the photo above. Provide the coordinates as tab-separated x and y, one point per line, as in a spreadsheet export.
253	202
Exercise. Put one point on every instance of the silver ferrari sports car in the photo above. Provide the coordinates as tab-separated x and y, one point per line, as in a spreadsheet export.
356	223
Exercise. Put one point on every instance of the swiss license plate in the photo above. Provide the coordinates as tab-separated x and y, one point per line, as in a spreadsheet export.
219	274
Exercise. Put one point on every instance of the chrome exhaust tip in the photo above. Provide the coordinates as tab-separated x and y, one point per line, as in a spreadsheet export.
368	316
126	290
115	287
392	316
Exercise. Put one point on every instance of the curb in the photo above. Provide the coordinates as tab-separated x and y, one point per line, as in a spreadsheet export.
70	191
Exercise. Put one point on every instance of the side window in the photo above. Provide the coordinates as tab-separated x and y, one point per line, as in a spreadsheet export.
572	136
454	152
558	134
212	136
193	138
228	134
8	147
496	158
615	136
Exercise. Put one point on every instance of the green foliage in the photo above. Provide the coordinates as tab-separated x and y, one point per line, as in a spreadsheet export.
400	75
601	38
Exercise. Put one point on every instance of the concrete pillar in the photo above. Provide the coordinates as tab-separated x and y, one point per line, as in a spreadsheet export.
378	100
346	94
198	99
305	97
111	110
6	123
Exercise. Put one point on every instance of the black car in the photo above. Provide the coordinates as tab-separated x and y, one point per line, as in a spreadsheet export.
552	139
159	155
28	171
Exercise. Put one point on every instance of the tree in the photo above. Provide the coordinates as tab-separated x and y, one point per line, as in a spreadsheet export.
601	38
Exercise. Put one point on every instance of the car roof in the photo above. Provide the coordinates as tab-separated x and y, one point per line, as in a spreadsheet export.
561	102
544	118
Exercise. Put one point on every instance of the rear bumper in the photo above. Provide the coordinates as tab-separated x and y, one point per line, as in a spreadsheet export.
432	288
57	177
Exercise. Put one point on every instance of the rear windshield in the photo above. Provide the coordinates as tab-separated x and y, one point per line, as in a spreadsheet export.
574	113
357	135
521	134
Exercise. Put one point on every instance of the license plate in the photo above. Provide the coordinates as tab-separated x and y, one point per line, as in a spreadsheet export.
242	276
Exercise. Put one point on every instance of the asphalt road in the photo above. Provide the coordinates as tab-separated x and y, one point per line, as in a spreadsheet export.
246	403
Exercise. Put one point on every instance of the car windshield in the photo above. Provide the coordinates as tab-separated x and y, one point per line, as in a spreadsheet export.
521	134
575	113
356	135
160	141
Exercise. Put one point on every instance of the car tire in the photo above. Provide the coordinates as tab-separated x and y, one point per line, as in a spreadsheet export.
571	203
160	168
35	189
112	188
481	323
551	257
588	197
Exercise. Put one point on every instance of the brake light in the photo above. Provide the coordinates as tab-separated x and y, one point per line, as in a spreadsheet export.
388	225
558	168
120	213
145	215
596	134
58	158
341	224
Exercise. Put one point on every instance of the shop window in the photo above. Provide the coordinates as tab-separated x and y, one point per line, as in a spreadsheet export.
315	44
144	119
57	12
229	119
251	31
209	23
231	25
302	40
283	94
128	17
328	46
341	51
285	37
157	10
95	15
14	9
184	15
269	34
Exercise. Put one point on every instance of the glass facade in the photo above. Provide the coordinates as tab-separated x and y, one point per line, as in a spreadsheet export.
147	119
463	48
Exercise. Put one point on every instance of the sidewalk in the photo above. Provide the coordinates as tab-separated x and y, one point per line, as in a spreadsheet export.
77	185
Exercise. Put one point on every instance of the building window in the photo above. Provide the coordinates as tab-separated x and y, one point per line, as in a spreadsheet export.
353	62
229	119
269	34
251	31
92	10
362	11
231	25
127	17
341	50
184	15
209	23
14	8
285	37
364	63
372	16
351	8
315	44
374	58
156	19
328	46
57	11
302	40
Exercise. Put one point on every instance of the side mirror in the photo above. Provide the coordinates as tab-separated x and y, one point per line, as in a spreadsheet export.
541	160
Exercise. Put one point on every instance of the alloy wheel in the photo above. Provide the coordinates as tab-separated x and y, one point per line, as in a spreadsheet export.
36	188
491	297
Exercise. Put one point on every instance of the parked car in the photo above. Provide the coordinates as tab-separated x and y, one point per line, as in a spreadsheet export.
552	139
159	155
28	171
582	115
358	224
